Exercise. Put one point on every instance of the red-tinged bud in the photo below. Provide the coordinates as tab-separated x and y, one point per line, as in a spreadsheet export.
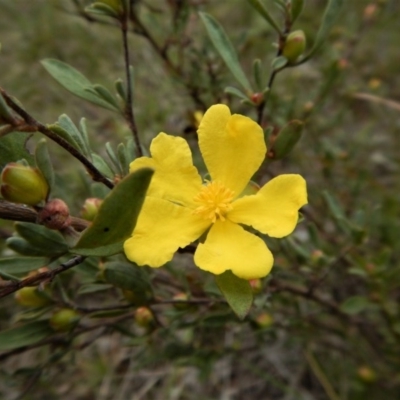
144	317
257	98
256	285
370	11
264	320
64	320
31	297
23	184
55	215
366	374
181	301
294	46
90	208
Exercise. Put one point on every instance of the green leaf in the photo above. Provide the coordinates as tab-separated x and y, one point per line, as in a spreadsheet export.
225	49
129	277
286	139
117	216
262	10
21	246
66	123
49	241
258	74
5	112
25	335
279	63
102	9
297	8
355	305
43	162
105	94
94	288
21	265
329	18
123	158
236	92
113	157
102	166
75	82
236	291
85	136
12	148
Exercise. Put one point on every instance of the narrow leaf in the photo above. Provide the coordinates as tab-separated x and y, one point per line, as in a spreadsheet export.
66	123
235	92
21	265
329	18
117	215
297	8
236	291
43	162
225	49
265	14
25	335
75	82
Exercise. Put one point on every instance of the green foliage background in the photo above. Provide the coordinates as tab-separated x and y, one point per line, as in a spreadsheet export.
333	298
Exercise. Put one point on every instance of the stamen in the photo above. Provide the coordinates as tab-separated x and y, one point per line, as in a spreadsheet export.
214	201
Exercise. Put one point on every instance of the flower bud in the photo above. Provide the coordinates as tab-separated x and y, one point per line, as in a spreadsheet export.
294	46
90	208
181	301
23	184
366	374
30	297
54	215
144	317
264	320
64	320
256	285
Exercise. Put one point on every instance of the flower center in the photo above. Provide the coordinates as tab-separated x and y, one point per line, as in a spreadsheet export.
214	201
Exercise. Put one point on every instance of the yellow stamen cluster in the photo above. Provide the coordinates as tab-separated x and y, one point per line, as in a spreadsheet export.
214	201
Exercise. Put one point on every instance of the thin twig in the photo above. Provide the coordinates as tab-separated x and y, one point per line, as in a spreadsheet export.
13	286
129	115
39	127
19	212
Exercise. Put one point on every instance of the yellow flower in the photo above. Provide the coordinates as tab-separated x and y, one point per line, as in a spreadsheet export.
179	207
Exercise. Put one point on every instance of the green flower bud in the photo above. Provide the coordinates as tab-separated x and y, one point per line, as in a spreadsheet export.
90	208
31	297
264	320
144	317
64	320
366	374
22	184
294	46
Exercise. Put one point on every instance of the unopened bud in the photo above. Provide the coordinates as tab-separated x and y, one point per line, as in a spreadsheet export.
30	297
144	317
294	46
64	320
55	215
90	208
181	301
257	98
286	139
366	374
256	285
23	184
264	320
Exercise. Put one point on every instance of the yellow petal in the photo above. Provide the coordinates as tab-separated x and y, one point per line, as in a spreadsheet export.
161	229
232	146
274	209
175	177
229	247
